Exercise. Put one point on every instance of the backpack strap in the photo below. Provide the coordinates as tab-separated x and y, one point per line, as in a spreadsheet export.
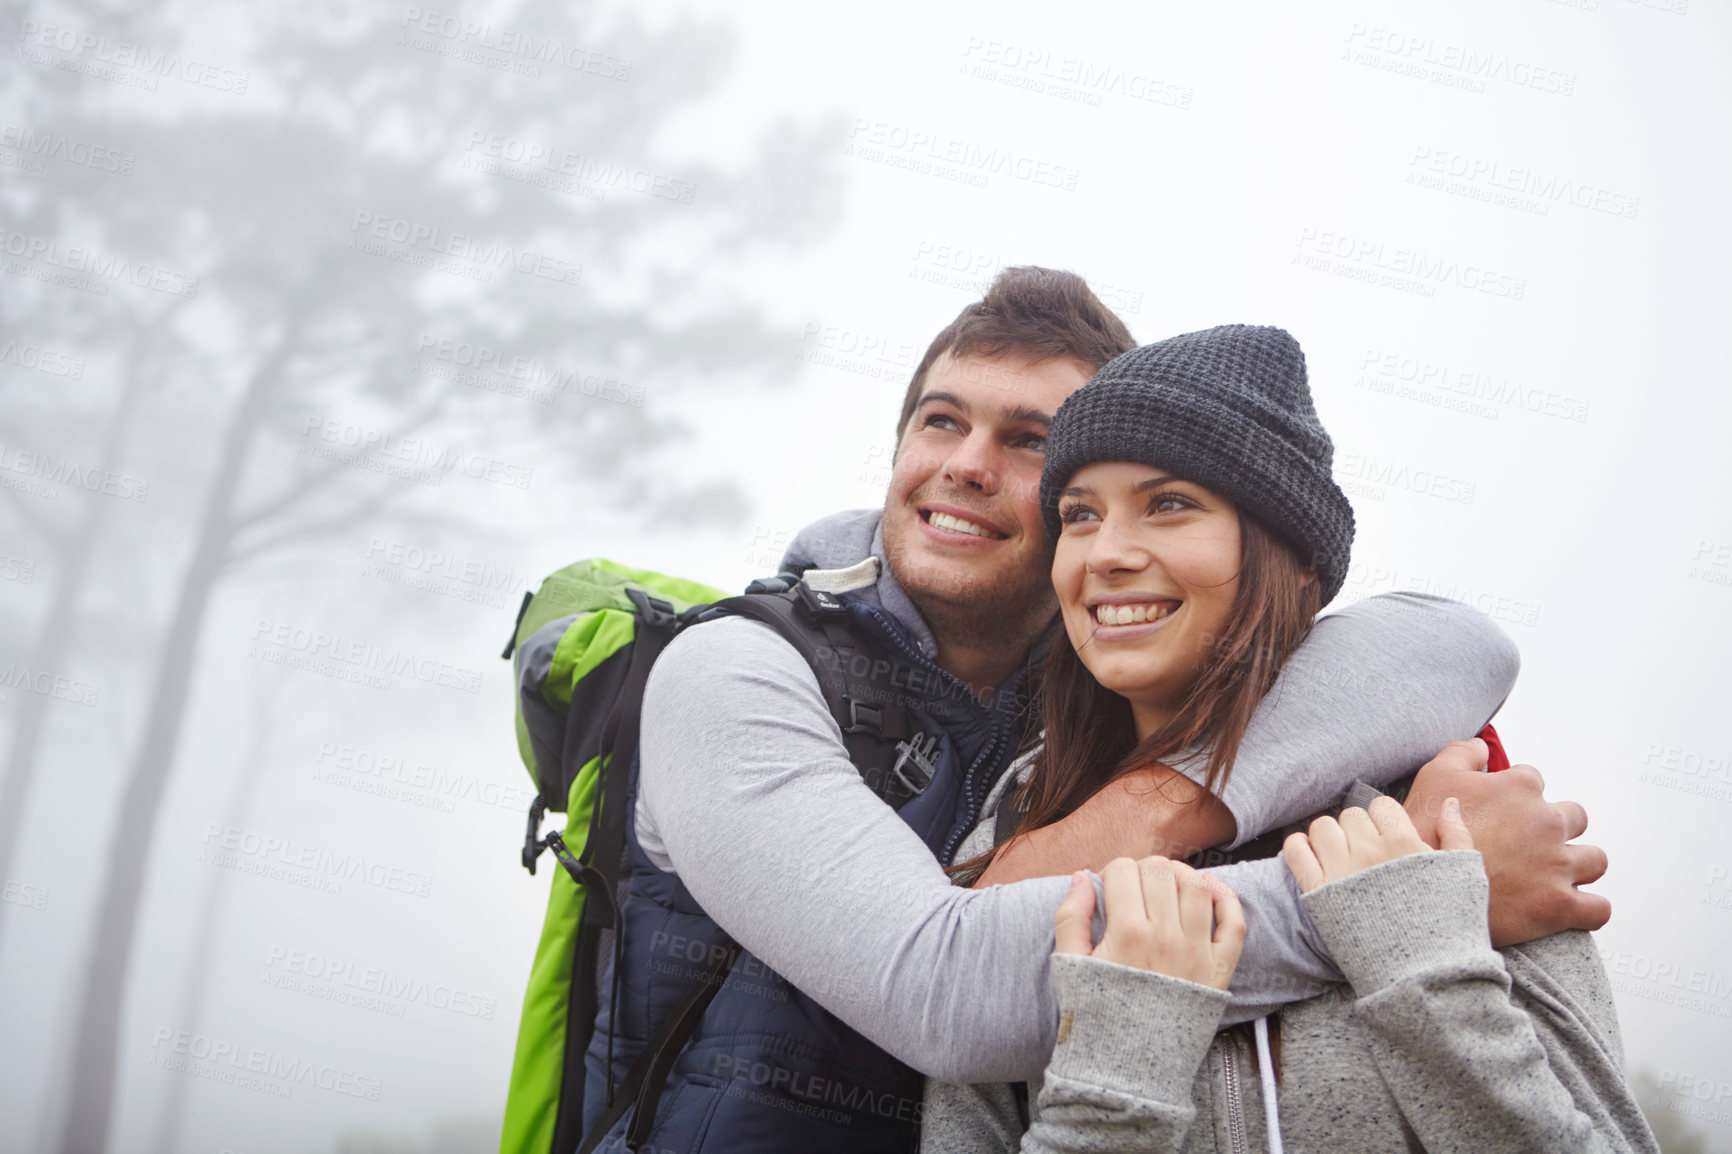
597	870
649	1074
858	681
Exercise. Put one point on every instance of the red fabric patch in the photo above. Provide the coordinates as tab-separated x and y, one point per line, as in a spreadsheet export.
1499	759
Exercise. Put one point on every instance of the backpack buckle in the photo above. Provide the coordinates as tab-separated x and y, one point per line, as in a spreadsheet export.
863	719
919	754
780	583
532	843
652	611
818	603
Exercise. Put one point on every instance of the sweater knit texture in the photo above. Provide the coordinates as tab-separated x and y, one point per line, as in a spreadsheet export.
1228	408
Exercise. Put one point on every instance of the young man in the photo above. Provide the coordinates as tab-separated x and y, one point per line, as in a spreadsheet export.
864	967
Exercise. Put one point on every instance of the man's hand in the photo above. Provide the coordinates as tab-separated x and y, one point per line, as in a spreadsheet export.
1534	873
1148	811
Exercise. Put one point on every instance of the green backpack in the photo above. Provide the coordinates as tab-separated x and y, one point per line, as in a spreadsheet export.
584	645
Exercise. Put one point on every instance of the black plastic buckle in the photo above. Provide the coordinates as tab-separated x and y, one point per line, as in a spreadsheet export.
819	603
511	645
916	753
533	843
863	718
652	610
780	583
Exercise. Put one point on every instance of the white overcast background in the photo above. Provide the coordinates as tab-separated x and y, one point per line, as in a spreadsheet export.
1497	227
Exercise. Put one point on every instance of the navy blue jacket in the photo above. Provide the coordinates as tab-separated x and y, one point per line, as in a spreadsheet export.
769	1069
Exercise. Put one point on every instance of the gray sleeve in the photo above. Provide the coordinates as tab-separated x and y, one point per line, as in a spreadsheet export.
1284	959
753	799
1129	1045
1479	1055
1376	690
747	793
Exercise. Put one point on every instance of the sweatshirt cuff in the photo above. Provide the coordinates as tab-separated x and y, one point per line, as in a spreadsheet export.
1134	1031
1399	918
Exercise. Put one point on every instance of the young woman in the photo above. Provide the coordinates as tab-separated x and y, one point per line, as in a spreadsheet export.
1198	531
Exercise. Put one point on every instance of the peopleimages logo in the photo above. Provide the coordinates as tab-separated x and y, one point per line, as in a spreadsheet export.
316	644
514	42
48	145
45	683
952	158
231	847
1521	181
368	987
431	242
1396	266
254	1067
415	458
539	378
93	52
413	781
66	472
87	262
44	360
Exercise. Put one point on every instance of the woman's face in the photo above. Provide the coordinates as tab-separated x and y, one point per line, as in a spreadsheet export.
1146	570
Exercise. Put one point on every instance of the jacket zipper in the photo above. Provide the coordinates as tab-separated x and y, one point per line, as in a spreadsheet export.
1235	1108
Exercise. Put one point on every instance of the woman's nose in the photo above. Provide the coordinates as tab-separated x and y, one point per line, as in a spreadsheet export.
1117	547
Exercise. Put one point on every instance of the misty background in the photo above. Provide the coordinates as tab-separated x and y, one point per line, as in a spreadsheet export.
327	329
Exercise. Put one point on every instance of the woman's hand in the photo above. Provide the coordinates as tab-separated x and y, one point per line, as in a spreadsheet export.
1362	839
1162	916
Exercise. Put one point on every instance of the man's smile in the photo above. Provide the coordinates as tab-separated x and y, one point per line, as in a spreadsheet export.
956	522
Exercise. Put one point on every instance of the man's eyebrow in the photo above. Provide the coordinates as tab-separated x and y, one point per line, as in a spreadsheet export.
1024	413
943	398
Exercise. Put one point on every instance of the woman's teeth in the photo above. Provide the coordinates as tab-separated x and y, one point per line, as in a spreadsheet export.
958	525
1132	614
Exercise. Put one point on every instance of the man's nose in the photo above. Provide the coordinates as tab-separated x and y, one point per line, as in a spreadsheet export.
974	464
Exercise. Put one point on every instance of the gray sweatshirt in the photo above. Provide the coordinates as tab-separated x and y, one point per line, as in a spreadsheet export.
1439	1042
748	795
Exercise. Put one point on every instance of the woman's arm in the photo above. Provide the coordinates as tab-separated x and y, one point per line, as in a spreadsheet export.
1472	1065
1120	1077
1371	695
1137	1013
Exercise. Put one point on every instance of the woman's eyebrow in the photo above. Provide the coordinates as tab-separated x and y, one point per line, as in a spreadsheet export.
1154	482
1077	491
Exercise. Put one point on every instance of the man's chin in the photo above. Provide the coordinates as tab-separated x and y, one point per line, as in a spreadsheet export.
950	580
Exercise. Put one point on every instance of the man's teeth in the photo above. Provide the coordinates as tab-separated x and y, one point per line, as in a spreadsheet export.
1132	614
958	525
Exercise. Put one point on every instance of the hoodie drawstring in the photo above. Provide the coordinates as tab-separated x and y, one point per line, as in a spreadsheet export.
1266	1070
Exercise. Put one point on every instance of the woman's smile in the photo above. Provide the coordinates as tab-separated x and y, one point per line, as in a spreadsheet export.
1146	567
1126	616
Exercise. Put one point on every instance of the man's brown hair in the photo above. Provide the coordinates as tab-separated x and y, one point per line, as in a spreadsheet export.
1039	312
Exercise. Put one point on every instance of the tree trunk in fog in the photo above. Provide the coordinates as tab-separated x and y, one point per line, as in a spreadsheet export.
54	636
90	1103
202	948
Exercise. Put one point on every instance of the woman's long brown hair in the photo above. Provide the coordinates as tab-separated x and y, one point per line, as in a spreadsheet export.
1091	738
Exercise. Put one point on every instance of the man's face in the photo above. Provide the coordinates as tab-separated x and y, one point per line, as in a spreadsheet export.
962	522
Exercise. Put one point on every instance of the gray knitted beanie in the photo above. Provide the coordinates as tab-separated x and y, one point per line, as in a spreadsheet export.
1227	408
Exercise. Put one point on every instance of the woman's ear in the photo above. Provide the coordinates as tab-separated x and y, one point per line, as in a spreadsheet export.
1308	575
